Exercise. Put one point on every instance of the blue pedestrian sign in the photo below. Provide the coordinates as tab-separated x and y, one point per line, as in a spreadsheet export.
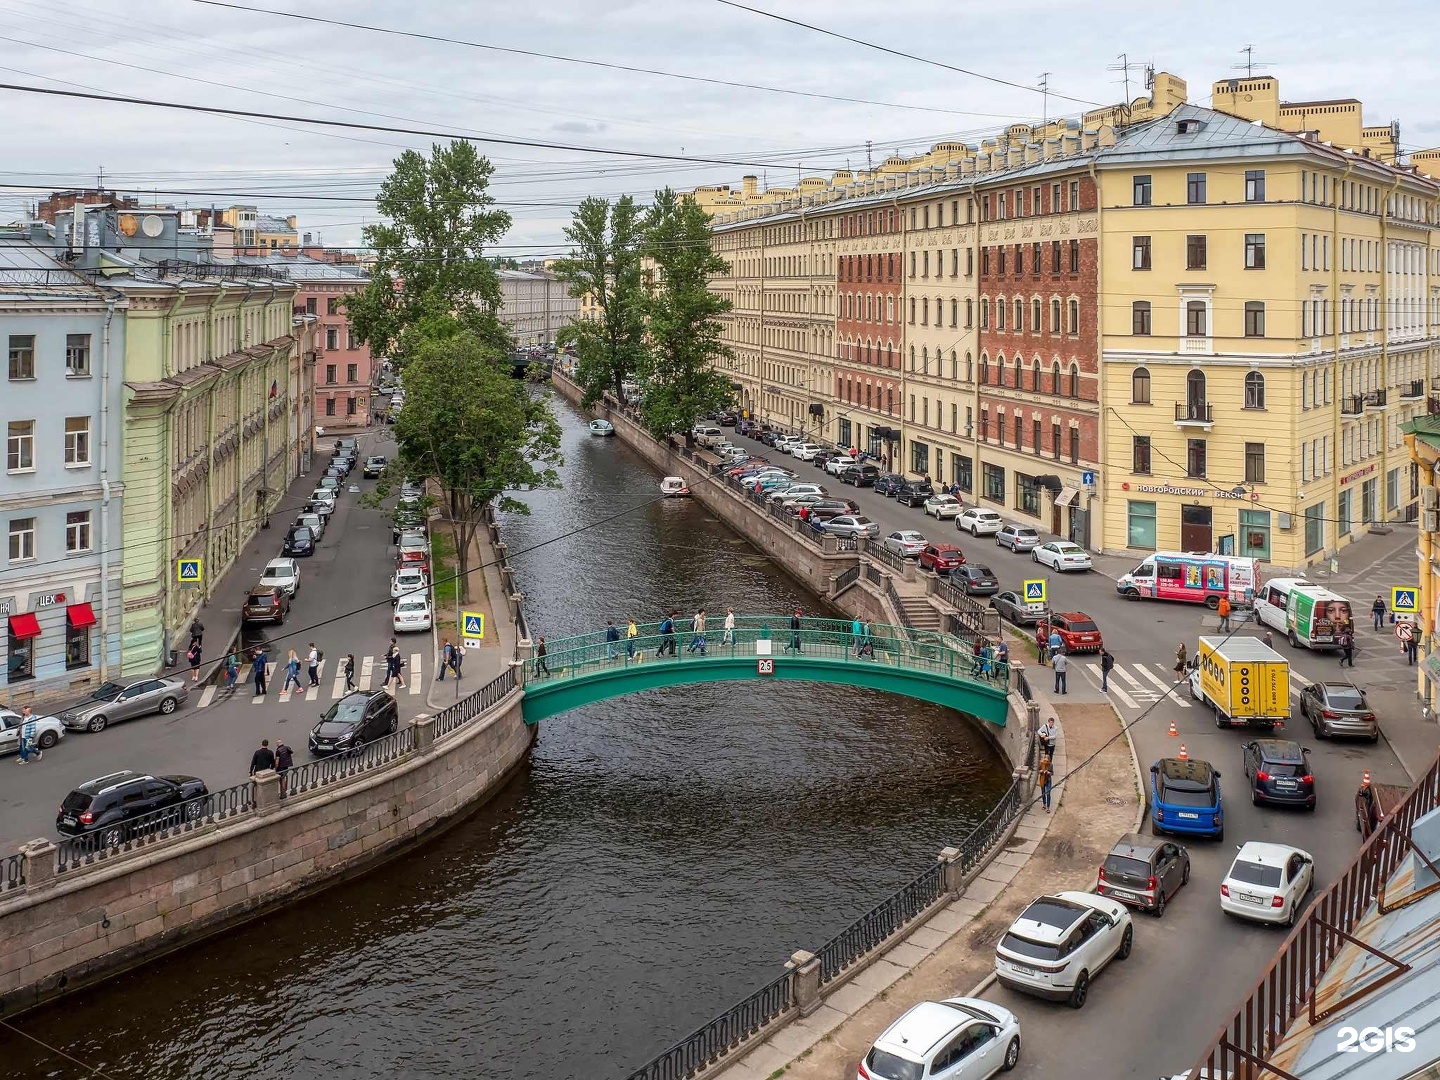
472	624
189	571
1035	591
1404	601
1088	479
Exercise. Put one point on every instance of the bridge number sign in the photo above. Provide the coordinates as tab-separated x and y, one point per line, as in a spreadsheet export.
765	665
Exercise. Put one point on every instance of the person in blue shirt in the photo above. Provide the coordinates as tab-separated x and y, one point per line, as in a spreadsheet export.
612	637
258	667
29	736
667	636
1057	643
857	631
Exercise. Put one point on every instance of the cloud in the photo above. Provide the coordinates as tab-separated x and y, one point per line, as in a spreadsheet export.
579	127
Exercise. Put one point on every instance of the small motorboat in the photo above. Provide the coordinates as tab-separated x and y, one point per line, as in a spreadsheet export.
601	427
674	487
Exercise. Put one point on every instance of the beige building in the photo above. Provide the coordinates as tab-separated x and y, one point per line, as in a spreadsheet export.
535	304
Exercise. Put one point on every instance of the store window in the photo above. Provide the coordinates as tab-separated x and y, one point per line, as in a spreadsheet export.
962	471
77	647
994	479
20	657
1255	534
1314	528
919	458
1345	514
1140	517
1027	495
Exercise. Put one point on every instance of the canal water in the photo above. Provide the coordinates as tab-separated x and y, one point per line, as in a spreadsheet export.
658	858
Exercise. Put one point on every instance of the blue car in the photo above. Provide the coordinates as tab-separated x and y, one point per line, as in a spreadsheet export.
1185	798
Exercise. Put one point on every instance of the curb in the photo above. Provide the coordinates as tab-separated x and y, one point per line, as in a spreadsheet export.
1139	776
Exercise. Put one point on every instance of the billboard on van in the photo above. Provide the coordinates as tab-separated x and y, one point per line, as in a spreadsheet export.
1319	619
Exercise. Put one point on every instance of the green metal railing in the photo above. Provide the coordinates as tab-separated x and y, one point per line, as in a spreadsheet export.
831	639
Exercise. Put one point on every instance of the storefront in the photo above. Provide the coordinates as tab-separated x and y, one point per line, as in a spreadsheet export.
52	640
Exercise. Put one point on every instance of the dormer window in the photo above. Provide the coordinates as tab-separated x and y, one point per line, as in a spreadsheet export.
1188	126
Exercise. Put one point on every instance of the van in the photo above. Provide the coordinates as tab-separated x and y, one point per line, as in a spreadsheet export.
1243	680
1306	613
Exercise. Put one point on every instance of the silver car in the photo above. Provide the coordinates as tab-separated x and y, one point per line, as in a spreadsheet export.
48	731
851	525
121	701
907	543
1018	538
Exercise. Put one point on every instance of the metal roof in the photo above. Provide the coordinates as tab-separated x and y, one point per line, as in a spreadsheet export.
301	268
28	272
1242	648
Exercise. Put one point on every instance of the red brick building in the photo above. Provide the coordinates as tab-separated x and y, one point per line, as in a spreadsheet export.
869	328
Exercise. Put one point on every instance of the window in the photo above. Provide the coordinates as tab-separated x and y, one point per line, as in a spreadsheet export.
1074	327
1035	325
1055	316
20	446
1254	390
77	646
1140	318
1314	528
994	481
1140	454
1000	260
1254	318
1140	521
330	370
1074	195
77	531
311	305
330	406
332	305
1254	185
352	373
1195	458
1074	256
1074	445
1141	190
1019	259
1195	189
1195	252
1140	253
332	337
1027	495
919	458
985	262
1000	309
22	356
77	355
1019	315
1195	318
1035	381
1054	440
22	539
962	471
349	406
1254	251
1254	462
77	440
351	341
1195	391
1074	381
1000	429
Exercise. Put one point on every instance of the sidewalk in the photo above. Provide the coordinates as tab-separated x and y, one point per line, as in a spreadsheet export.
496	650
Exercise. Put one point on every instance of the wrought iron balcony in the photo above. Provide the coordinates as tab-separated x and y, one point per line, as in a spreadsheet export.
1352	405
1194	413
1375	399
1415	389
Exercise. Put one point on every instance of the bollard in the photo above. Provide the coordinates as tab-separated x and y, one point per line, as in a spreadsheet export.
954	870
518	666
39	855
424	732
267	790
806	966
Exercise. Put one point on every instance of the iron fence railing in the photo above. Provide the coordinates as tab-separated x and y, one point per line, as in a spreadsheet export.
873	574
1022	683
331	770
847	578
846	543
12	872
980	620
900	612
472	705
898	563
881	922
722	1034
987	834
124	836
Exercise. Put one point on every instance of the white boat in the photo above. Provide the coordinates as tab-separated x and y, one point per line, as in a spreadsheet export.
674	487
601	427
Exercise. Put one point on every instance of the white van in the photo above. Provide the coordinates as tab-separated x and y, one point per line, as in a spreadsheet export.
1306	613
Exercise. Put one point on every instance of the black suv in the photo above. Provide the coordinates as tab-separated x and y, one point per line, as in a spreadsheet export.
108	806
860	475
299	541
914	492
1279	773
353	721
1144	872
888	483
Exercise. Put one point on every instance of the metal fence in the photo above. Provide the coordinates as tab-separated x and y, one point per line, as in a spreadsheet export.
873	574
881	922
331	770
12	872
979	620
1022	683
900	611
722	1034
472	705
844	580
895	562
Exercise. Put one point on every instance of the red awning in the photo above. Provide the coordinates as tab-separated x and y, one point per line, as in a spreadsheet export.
24	626
81	616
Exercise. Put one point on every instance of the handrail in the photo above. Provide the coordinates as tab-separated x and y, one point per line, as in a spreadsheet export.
880	554
722	1034
844	580
12	872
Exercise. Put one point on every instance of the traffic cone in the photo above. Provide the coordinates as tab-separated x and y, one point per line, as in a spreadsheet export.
1184	754
1173	733
1365	780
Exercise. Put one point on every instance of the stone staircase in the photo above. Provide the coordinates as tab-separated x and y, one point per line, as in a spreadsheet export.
920	613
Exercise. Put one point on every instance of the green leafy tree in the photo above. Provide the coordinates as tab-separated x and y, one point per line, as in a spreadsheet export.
681	370
430	257
606	265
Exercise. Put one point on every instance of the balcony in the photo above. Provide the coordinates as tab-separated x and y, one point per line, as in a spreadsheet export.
1413	390
1375	399
1352	405
1196	345
1199	414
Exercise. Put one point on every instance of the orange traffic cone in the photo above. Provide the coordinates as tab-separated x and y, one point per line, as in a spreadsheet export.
1184	754
1173	732
1365	780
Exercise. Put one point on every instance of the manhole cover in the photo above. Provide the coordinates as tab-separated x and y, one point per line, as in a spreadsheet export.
1114	800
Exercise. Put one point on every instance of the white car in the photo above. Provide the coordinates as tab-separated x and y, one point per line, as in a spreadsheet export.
407	581
412	540
839	463
906	543
954	1039
1062	555
805	451
282	574
1060	943
412	613
315	523
784	443
794	491
323	497
48	731
943	506
979	522
1267	883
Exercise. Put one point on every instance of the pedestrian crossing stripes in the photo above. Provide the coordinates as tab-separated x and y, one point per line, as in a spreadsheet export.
334	690
1137	686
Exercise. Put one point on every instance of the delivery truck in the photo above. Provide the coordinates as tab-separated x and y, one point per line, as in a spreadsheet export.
1245	681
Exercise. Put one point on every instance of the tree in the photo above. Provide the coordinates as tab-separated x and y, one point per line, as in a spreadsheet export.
474	430
681	371
606	266
430	252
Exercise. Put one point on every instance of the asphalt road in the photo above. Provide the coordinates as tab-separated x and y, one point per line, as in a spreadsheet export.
343	605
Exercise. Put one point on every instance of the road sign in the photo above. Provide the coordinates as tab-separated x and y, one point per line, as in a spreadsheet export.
1088	479
1405	631
765	665
1035	591
472	624
189	571
1404	600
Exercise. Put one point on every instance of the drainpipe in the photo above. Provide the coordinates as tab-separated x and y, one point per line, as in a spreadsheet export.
1101	427
168	369
904	333
1427	578
1335	342
105	491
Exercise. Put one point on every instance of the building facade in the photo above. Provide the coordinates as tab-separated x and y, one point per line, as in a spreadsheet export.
535	304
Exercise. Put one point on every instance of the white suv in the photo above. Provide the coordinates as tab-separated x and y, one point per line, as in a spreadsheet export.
979	522
805	451
1060	942
955	1039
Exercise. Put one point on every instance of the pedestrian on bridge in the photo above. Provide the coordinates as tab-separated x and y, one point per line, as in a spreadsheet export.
728	638
857	632
1061	664
1107	665
540	664
698	641
1223	610
667	636
631	633
612	638
258	666
795	631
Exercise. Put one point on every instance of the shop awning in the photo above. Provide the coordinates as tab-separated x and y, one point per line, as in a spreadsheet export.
80	616
1066	496
24	626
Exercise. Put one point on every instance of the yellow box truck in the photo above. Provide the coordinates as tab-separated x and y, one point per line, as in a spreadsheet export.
1245	681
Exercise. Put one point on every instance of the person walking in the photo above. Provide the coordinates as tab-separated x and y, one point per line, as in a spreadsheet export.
391	652
698	629
284	759
258	668
1049	735
1180	662
1107	664
292	671
1412	646
795	631
867	641
232	670
197	632
447	653
1002	653
312	662
1223	610
398	663
1042	643
194	657
349	672
1347	647
1046	779
1269	640
631	633
1377	611
1056	644
29	737
1061	663
612	638
262	759
728	638
540	664
667	636
457	658
857	631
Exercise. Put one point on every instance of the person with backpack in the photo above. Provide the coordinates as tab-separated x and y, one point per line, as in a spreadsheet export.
284	759
232	670
197	632
667	636
1107	664
540	664
312	661
447	652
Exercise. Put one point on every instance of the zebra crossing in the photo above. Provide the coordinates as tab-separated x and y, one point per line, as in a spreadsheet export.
369	671
1138	686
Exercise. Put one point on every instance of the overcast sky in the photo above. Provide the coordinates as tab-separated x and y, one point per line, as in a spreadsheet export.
188	51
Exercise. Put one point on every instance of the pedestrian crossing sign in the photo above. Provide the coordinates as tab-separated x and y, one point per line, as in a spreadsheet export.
189	570
472	624
1035	591
1404	600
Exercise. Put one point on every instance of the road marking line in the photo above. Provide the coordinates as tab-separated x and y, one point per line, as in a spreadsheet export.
206	696
284	696
415	659
366	667
337	688
1096	677
1135	683
1165	688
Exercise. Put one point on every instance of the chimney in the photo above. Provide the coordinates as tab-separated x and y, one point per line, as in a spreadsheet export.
750	185
967	167
1088	138
1069	143
1032	153
1051	149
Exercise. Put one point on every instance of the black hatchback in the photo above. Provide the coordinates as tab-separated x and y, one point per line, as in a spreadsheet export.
860	475
299	541
888	484
113	808
353	721
914	492
1279	772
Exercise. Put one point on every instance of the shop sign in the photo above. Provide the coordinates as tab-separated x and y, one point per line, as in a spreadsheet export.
1358	473
49	599
1170	489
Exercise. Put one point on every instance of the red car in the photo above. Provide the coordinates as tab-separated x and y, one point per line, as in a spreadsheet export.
1077	631
941	558
413	559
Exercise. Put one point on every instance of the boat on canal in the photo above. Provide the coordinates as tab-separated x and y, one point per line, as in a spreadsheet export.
601	427
674	487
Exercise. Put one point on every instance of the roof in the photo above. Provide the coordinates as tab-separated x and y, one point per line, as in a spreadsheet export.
1049	918
267	223
1198	772
1257	851
302	268
1284	750
28	272
1134	844
920	1029
1426	429
1242	648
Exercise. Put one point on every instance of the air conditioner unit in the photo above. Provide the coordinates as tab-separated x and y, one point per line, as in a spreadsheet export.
1430	520
1284	521
1429	497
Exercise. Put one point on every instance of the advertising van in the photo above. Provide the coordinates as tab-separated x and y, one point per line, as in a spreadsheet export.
1306	613
1193	578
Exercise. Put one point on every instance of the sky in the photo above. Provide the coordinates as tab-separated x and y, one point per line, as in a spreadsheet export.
198	53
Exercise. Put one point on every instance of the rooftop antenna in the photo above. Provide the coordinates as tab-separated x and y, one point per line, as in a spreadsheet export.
1044	98
100	179
869	165
1123	66
1249	65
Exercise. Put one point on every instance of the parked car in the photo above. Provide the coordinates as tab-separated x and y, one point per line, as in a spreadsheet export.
374	466
943	506
1061	555
265	603
1013	607
359	717
888	484
906	543
794	491
48	731
322	501
403	521
914	492
860	475
348	442
940	558
1279	772
330	483
413	541
1337	708
323	508
407	580
335	472
954	1039
1144	872
978	521
115	701
1018	538
1268	883
315	523
832	505
852	525
411	613
805	451
108	806
1185	798
299	541
836	464
1060	942
282	574
975	580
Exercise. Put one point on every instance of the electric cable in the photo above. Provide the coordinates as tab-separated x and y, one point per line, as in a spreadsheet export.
90	1070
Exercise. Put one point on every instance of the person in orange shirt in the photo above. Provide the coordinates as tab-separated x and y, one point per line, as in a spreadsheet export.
1223	610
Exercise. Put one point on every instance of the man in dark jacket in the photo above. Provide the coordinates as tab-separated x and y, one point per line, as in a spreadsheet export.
258	667
197	632
795	631
667	636
262	759
284	758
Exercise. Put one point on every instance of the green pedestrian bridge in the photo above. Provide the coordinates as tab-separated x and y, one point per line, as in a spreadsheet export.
922	664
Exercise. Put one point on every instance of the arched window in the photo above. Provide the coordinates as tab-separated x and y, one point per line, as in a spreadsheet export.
1019	314
1000	307
1055	377
1254	390
984	313
1074	381
912	357
1000	370
969	366
1140	386
1055	316
1019	373
954	365
984	370
1195	393
868	402
925	360
1035	376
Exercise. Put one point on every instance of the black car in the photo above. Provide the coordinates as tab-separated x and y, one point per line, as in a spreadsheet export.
299	541
888	484
975	580
914	492
344	463
374	466
860	475
353	721
108	806
346	445
768	437
1279	773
